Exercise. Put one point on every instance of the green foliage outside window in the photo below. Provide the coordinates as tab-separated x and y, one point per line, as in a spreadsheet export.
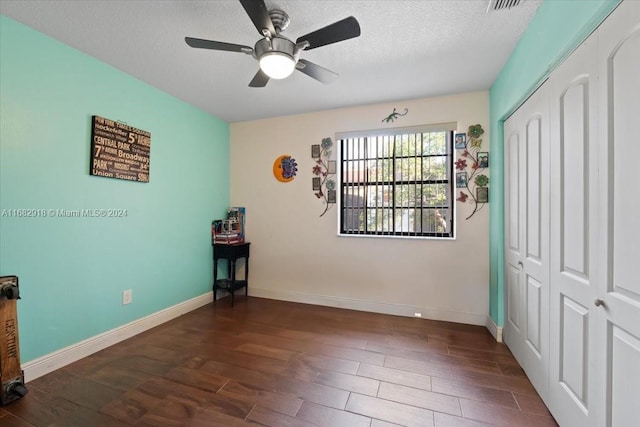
397	184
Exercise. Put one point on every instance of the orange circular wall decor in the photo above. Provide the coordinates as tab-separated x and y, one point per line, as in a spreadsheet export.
285	168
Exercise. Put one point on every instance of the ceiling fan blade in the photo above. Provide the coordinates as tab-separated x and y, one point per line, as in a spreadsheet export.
210	44
315	71
257	11
259	80
346	29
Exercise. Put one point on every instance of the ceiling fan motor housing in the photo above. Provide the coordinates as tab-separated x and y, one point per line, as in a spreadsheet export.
276	44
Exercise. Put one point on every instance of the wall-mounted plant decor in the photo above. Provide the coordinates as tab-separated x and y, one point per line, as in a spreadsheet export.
324	184
471	168
285	168
391	117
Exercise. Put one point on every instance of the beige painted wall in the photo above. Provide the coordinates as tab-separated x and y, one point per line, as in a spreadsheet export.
297	256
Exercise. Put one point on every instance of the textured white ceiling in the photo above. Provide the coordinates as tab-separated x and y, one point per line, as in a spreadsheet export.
408	48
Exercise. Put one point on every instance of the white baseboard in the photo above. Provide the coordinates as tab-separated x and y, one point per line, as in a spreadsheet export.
495	330
56	360
372	306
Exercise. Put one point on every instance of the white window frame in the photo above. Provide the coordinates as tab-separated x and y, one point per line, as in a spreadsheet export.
395	132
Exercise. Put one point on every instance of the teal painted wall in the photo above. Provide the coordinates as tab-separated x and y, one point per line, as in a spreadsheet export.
73	270
555	31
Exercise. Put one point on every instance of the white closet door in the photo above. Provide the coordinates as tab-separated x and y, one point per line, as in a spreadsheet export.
513	182
619	219
573	238
526	255
592	232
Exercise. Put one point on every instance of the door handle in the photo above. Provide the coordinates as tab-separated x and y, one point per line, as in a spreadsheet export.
520	264
599	303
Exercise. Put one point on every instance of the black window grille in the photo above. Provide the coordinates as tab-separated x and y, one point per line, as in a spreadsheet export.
397	184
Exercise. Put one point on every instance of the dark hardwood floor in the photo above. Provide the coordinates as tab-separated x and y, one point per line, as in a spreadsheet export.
278	364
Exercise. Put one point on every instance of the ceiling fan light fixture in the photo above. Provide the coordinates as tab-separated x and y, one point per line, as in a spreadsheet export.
277	65
278	56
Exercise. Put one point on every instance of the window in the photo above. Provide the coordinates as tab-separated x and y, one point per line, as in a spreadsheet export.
397	182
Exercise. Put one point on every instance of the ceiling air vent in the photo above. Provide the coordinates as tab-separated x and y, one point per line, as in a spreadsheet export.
498	5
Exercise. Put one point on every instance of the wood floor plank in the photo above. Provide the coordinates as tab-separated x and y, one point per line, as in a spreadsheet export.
420	398
348	382
442	366
386	410
161	354
89	364
176	340
314	393
131	406
278	363
474	353
259	379
482	340
207	417
86	417
325	416
362	356
409	341
184	408
9	420
153	420
473	392
269	336
395	376
279	402
467	364
447	420
319	363
511	370
84	392
266	351
142	364
307	367
187	396
499	382
172	402
401	352
501	416
270	418
249	361
118	377
418	367
531	403
196	378
332	339
40	407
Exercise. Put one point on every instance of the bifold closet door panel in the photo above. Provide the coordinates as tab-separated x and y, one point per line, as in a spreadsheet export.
573	380
526	237
619	159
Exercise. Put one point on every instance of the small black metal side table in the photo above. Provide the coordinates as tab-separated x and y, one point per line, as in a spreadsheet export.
231	253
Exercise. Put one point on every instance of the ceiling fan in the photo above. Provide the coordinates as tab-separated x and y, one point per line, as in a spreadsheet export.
279	56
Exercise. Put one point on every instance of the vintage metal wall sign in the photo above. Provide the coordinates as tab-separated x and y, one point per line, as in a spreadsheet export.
119	151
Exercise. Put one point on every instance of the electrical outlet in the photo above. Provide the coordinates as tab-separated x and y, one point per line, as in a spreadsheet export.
127	297
417	314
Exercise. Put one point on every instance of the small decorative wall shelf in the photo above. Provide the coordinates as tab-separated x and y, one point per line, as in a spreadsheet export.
323	182
471	175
